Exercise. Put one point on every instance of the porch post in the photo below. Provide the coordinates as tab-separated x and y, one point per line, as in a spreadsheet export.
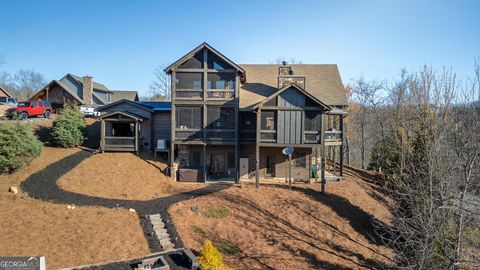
204	162
102	135
322	167
257	149
136	137
341	146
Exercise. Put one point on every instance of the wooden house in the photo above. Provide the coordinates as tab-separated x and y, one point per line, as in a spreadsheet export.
228	121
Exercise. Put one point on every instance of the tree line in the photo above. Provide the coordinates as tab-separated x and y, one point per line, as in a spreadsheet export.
422	134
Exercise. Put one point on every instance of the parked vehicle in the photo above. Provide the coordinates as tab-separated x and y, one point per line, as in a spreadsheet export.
28	109
8	101
89	110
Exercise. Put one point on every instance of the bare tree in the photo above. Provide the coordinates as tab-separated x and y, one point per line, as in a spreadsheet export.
160	87
27	82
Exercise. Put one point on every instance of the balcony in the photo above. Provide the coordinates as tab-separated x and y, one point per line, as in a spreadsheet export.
188	134
189	94
220	94
333	137
221	134
120	143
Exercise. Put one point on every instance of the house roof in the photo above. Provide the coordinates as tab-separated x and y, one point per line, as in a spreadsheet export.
321	81
293	85
5	91
197	49
133	103
61	84
123	94
125	113
96	85
158	105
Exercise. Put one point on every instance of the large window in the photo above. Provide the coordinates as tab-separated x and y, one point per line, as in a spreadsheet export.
268	120
221	117
189	117
221	81
313	121
195	62
215	62
185	80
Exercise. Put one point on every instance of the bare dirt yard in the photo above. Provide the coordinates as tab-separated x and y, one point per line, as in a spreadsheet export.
277	228
67	237
122	176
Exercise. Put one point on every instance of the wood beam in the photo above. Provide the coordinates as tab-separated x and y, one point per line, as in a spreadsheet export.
341	146
257	149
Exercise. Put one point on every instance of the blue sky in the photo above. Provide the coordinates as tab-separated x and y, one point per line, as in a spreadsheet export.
120	43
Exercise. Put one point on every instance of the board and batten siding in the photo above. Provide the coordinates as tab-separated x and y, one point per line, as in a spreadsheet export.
290	122
146	125
161	127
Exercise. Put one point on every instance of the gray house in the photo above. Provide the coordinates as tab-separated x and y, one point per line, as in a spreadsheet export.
231	121
81	91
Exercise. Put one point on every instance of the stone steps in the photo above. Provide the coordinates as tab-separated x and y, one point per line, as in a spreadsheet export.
161	232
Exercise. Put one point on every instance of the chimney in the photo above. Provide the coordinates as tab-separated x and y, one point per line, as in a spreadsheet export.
87	90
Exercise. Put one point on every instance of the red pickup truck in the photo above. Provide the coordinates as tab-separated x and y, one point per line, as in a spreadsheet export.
28	109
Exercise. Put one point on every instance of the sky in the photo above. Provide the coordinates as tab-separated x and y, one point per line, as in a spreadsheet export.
120	43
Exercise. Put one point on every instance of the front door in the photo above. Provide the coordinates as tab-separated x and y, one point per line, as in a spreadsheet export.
217	164
270	172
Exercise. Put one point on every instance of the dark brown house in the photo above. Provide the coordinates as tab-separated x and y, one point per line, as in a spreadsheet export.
229	122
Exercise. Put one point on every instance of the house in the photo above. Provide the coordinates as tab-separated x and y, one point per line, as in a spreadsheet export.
4	93
231	121
81	91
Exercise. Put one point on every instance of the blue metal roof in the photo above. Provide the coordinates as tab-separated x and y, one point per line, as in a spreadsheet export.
158	105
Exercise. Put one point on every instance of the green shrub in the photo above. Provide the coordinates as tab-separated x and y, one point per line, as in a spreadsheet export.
68	129
228	248
219	212
18	146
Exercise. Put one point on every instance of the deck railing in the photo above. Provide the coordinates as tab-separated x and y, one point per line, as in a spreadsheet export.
188	134
268	136
312	136
120	142
333	136
220	94
188	93
221	134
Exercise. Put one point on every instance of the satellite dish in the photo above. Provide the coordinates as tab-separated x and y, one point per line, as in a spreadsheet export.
287	150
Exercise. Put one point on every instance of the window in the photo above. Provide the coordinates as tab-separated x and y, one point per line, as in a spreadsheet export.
189	117
188	80
268	120
196	160
221	81
300	160
220	117
34	105
3	99
47	103
215	62
195	62
120	129
313	121
231	160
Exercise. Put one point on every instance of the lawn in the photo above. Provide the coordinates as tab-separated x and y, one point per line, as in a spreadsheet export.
276	228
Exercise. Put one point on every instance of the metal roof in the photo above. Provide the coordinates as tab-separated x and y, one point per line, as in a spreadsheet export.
158	105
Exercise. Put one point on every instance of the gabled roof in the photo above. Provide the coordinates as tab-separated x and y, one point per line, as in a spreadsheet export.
197	49
133	103
121	94
5	91
321	81
125	113
62	85
293	85
96	85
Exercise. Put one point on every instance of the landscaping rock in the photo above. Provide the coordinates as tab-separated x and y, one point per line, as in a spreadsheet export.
132	210
13	190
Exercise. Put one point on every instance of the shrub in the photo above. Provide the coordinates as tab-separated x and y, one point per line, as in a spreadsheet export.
18	146
210	258
219	212
68	129
228	248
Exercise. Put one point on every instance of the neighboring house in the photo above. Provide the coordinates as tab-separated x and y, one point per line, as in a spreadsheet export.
123	94
78	90
231	121
4	93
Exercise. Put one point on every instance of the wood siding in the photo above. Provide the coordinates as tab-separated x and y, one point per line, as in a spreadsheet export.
290	123
161	127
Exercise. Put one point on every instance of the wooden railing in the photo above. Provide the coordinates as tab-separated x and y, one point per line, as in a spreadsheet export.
312	136
220	94
119	142
189	93
221	134
268	136
188	134
333	136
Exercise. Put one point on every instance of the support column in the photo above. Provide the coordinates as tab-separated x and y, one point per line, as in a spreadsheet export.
341	146
102	135
204	162
322	167
257	149
136	138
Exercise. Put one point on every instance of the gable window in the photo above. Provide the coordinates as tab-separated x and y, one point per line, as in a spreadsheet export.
215	62
188	117
221	117
189	81
268	120
313	120
196	62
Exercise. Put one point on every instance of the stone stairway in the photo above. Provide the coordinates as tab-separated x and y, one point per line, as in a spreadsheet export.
161	232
